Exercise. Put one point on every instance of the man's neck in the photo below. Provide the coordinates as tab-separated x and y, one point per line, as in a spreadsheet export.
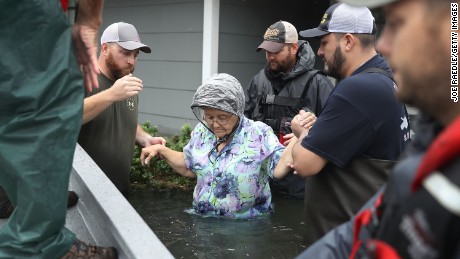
104	69
357	61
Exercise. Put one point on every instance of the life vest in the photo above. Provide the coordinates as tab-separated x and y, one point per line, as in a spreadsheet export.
444	189
277	111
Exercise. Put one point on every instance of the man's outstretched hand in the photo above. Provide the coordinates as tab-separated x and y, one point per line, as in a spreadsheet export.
85	46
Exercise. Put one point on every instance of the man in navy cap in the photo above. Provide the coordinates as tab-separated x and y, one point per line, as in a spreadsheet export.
361	130
110	129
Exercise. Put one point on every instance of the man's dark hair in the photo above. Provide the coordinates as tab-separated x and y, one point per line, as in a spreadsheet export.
366	40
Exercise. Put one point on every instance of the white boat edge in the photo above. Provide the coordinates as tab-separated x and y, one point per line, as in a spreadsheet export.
104	217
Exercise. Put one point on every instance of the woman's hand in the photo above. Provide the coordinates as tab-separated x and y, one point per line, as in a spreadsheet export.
287	139
149	152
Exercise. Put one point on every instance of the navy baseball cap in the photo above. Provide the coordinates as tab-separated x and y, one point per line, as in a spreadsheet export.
343	18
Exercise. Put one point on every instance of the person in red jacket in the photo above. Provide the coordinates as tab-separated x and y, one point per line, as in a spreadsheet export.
417	214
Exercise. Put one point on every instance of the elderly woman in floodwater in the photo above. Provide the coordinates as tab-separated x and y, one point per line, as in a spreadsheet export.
231	155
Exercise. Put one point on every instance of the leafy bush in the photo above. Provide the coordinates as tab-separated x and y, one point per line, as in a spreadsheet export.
158	174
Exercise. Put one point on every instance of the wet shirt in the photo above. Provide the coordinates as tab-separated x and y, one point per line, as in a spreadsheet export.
235	181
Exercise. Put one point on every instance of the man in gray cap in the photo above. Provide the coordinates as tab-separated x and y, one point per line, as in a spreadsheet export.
110	129
417	214
361	130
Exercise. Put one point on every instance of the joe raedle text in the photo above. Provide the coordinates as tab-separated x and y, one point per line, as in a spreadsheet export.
454	52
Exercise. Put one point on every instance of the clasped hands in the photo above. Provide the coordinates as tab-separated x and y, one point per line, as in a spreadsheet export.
150	152
151	149
302	123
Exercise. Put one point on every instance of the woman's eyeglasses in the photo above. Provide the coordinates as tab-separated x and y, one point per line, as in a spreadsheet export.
221	119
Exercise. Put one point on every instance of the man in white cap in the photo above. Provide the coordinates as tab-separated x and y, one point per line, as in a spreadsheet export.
287	84
110	128
361	130
417	215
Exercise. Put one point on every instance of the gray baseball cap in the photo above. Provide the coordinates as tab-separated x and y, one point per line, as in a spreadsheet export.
368	3
125	35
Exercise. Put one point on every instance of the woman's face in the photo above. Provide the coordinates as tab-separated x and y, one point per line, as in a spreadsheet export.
219	122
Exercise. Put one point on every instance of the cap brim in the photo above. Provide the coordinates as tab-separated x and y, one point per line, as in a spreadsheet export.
312	33
130	45
367	3
271	46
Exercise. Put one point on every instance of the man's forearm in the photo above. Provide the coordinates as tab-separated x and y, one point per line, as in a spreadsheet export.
95	105
142	136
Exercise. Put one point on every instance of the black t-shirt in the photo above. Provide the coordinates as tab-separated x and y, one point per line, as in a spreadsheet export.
109	138
361	118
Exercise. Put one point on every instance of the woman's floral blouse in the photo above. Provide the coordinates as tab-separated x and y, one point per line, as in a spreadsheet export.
234	182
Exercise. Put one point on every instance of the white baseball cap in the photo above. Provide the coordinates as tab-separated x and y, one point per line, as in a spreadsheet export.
343	18
125	35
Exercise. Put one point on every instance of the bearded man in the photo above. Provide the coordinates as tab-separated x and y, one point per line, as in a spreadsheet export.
287	84
362	129
110	128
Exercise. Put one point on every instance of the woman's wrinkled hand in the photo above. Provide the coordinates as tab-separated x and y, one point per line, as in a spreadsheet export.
148	153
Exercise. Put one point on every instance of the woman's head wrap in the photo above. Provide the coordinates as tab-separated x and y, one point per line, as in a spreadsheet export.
222	92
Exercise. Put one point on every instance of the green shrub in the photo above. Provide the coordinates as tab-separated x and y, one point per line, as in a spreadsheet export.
158	174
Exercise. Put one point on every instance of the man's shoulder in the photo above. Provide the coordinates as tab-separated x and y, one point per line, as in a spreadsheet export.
104	84
310	77
104	81
259	77
319	75
367	80
261	73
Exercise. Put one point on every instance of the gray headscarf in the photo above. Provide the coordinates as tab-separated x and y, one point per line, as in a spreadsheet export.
220	91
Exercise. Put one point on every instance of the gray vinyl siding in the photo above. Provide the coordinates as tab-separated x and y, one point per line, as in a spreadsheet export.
241	29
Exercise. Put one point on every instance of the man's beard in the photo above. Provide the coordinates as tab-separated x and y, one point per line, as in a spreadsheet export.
285	66
115	70
333	69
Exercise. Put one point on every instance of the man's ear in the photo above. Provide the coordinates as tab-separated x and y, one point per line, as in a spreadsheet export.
349	41
105	49
294	48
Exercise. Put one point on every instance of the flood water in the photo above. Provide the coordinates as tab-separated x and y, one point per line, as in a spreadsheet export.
280	235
